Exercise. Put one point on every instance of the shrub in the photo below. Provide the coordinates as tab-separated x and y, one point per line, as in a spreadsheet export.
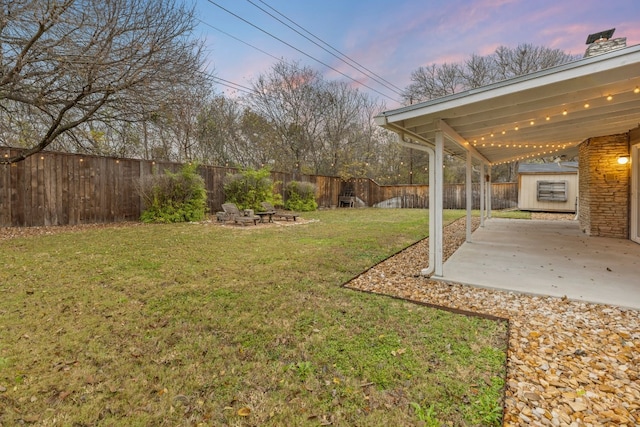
301	197
248	188
174	197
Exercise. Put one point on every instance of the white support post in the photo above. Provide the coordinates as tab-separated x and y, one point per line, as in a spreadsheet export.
432	225
489	195
428	271
482	194
439	189
469	191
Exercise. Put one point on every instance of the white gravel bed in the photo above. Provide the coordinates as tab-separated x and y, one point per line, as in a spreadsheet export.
569	363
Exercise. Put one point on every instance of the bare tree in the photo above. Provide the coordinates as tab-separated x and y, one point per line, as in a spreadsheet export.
179	115
478	71
342	134
437	80
67	63
289	98
433	81
321	127
526	59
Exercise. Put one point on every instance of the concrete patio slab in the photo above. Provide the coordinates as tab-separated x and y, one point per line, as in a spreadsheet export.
548	257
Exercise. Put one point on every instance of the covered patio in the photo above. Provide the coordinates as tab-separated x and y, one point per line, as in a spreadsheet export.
590	106
551	258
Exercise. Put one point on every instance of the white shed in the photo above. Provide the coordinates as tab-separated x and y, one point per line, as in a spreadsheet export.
548	187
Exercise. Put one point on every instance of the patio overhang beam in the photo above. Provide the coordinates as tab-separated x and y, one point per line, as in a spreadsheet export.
400	130
460	141
443	126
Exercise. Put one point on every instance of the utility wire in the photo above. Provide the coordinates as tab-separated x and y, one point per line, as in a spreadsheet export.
300	51
343	57
233	85
228	83
240	40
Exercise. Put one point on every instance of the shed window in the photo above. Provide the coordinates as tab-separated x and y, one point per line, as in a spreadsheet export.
552	191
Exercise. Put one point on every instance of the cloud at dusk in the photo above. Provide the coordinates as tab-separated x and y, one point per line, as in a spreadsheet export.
393	39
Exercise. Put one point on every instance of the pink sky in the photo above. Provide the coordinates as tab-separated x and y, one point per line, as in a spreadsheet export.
393	38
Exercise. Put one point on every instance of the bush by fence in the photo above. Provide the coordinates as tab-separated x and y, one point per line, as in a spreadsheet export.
67	189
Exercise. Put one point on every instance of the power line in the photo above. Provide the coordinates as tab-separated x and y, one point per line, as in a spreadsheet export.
233	85
240	40
300	51
228	83
343	57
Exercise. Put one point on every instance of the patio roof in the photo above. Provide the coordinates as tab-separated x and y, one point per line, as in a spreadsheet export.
541	114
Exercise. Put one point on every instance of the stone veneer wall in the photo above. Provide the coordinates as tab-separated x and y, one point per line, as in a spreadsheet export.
603	207
600	47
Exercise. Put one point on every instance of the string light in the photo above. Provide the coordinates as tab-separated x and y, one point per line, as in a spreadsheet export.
552	148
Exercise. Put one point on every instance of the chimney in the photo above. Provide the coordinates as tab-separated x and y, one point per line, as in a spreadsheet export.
602	42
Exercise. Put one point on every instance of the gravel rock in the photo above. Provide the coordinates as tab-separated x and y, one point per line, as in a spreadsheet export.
570	363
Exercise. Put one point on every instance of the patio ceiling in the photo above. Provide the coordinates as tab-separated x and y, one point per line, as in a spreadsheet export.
547	113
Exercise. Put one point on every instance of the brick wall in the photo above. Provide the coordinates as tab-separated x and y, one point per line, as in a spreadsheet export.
604	186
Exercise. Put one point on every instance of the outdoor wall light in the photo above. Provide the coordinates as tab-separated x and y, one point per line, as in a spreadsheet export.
623	160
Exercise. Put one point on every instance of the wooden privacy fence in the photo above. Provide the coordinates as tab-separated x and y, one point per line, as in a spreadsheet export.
67	189
503	195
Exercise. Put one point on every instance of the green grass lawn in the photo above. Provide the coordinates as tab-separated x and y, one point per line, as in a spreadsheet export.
198	324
